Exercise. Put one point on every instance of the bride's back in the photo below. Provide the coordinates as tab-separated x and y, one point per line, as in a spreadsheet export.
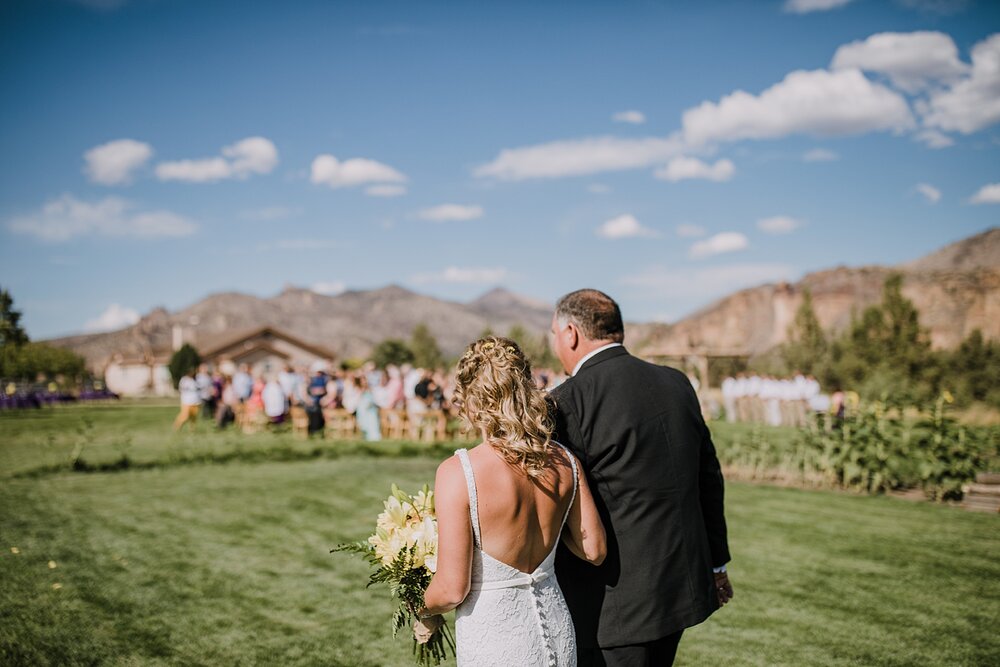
521	517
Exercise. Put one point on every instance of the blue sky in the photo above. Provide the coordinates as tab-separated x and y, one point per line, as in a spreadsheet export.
155	151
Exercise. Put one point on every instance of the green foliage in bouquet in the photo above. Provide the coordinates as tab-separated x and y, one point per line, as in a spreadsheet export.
407	572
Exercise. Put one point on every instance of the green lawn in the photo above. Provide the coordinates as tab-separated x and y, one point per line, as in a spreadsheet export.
228	564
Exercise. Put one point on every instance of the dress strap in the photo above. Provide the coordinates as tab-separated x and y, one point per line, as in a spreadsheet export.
470	483
576	476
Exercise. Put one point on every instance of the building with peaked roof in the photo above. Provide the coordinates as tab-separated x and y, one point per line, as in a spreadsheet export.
264	349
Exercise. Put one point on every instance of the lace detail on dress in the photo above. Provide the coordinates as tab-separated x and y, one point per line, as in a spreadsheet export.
512	617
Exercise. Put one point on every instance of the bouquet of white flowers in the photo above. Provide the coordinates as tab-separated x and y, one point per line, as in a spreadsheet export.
403	553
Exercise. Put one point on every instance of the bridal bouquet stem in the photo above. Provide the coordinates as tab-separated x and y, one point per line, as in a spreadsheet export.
403	554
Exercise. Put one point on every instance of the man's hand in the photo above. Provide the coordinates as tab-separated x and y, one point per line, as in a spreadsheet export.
424	628
723	588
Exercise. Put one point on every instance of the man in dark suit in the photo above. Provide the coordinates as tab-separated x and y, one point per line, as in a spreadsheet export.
638	430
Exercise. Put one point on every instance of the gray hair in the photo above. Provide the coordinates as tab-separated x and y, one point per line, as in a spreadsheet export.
593	312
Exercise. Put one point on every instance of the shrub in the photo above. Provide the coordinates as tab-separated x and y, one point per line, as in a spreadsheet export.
185	360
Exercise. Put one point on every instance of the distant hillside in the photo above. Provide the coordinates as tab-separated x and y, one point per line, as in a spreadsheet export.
350	324
956	289
981	251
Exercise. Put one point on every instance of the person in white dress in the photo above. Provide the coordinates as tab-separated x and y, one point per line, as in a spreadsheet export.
502	508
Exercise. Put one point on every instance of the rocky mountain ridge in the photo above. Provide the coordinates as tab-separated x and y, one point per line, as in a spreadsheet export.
956	289
349	324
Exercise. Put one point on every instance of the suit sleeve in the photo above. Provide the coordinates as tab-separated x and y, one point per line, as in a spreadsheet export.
712	492
567	428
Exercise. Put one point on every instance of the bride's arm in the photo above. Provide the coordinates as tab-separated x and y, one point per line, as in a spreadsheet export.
585	535
451	582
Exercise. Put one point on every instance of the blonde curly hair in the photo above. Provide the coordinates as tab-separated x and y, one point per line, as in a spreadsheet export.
497	395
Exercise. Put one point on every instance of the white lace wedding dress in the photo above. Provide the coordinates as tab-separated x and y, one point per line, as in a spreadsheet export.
512	617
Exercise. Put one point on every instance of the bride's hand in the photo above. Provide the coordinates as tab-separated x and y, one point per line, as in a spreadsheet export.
424	628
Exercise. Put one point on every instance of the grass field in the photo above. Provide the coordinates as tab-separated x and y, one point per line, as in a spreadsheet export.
207	564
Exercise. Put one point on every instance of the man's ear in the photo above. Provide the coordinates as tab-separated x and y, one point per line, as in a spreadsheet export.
574	339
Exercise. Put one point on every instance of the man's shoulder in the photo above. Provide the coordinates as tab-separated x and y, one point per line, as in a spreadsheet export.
564	391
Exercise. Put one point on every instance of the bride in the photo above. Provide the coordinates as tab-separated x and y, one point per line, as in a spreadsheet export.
501	510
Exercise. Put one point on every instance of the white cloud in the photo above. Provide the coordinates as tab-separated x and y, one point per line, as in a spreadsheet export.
623	227
807	6
930	193
718	244
115	162
705	283
682	168
598	189
819	155
934	139
779	224
972	103
328	170
451	213
385	190
269	213
817	102
579	157
330	288
988	194
68	217
253	155
912	60
113	318
633	117
454	274
205	170
689	231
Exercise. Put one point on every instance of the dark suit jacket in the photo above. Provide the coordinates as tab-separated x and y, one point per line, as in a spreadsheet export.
649	458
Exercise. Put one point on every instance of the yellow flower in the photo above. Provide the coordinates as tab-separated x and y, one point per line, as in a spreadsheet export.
424	538
56	587
948	398
15	550
52	565
424	501
395	513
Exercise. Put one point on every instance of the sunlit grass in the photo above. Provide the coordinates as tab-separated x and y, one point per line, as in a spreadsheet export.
230	564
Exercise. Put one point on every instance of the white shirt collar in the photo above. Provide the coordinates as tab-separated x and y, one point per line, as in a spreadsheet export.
592	353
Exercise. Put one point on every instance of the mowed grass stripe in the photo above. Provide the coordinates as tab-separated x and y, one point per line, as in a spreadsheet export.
230	565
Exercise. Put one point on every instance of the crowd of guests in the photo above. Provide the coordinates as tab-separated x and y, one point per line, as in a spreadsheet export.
366	393
776	401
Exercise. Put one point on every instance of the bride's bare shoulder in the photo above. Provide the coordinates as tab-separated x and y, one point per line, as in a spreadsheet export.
450	477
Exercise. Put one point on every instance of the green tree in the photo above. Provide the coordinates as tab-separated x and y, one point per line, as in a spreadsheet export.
423	345
806	348
392	351
183	361
31	360
885	351
11	332
970	371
